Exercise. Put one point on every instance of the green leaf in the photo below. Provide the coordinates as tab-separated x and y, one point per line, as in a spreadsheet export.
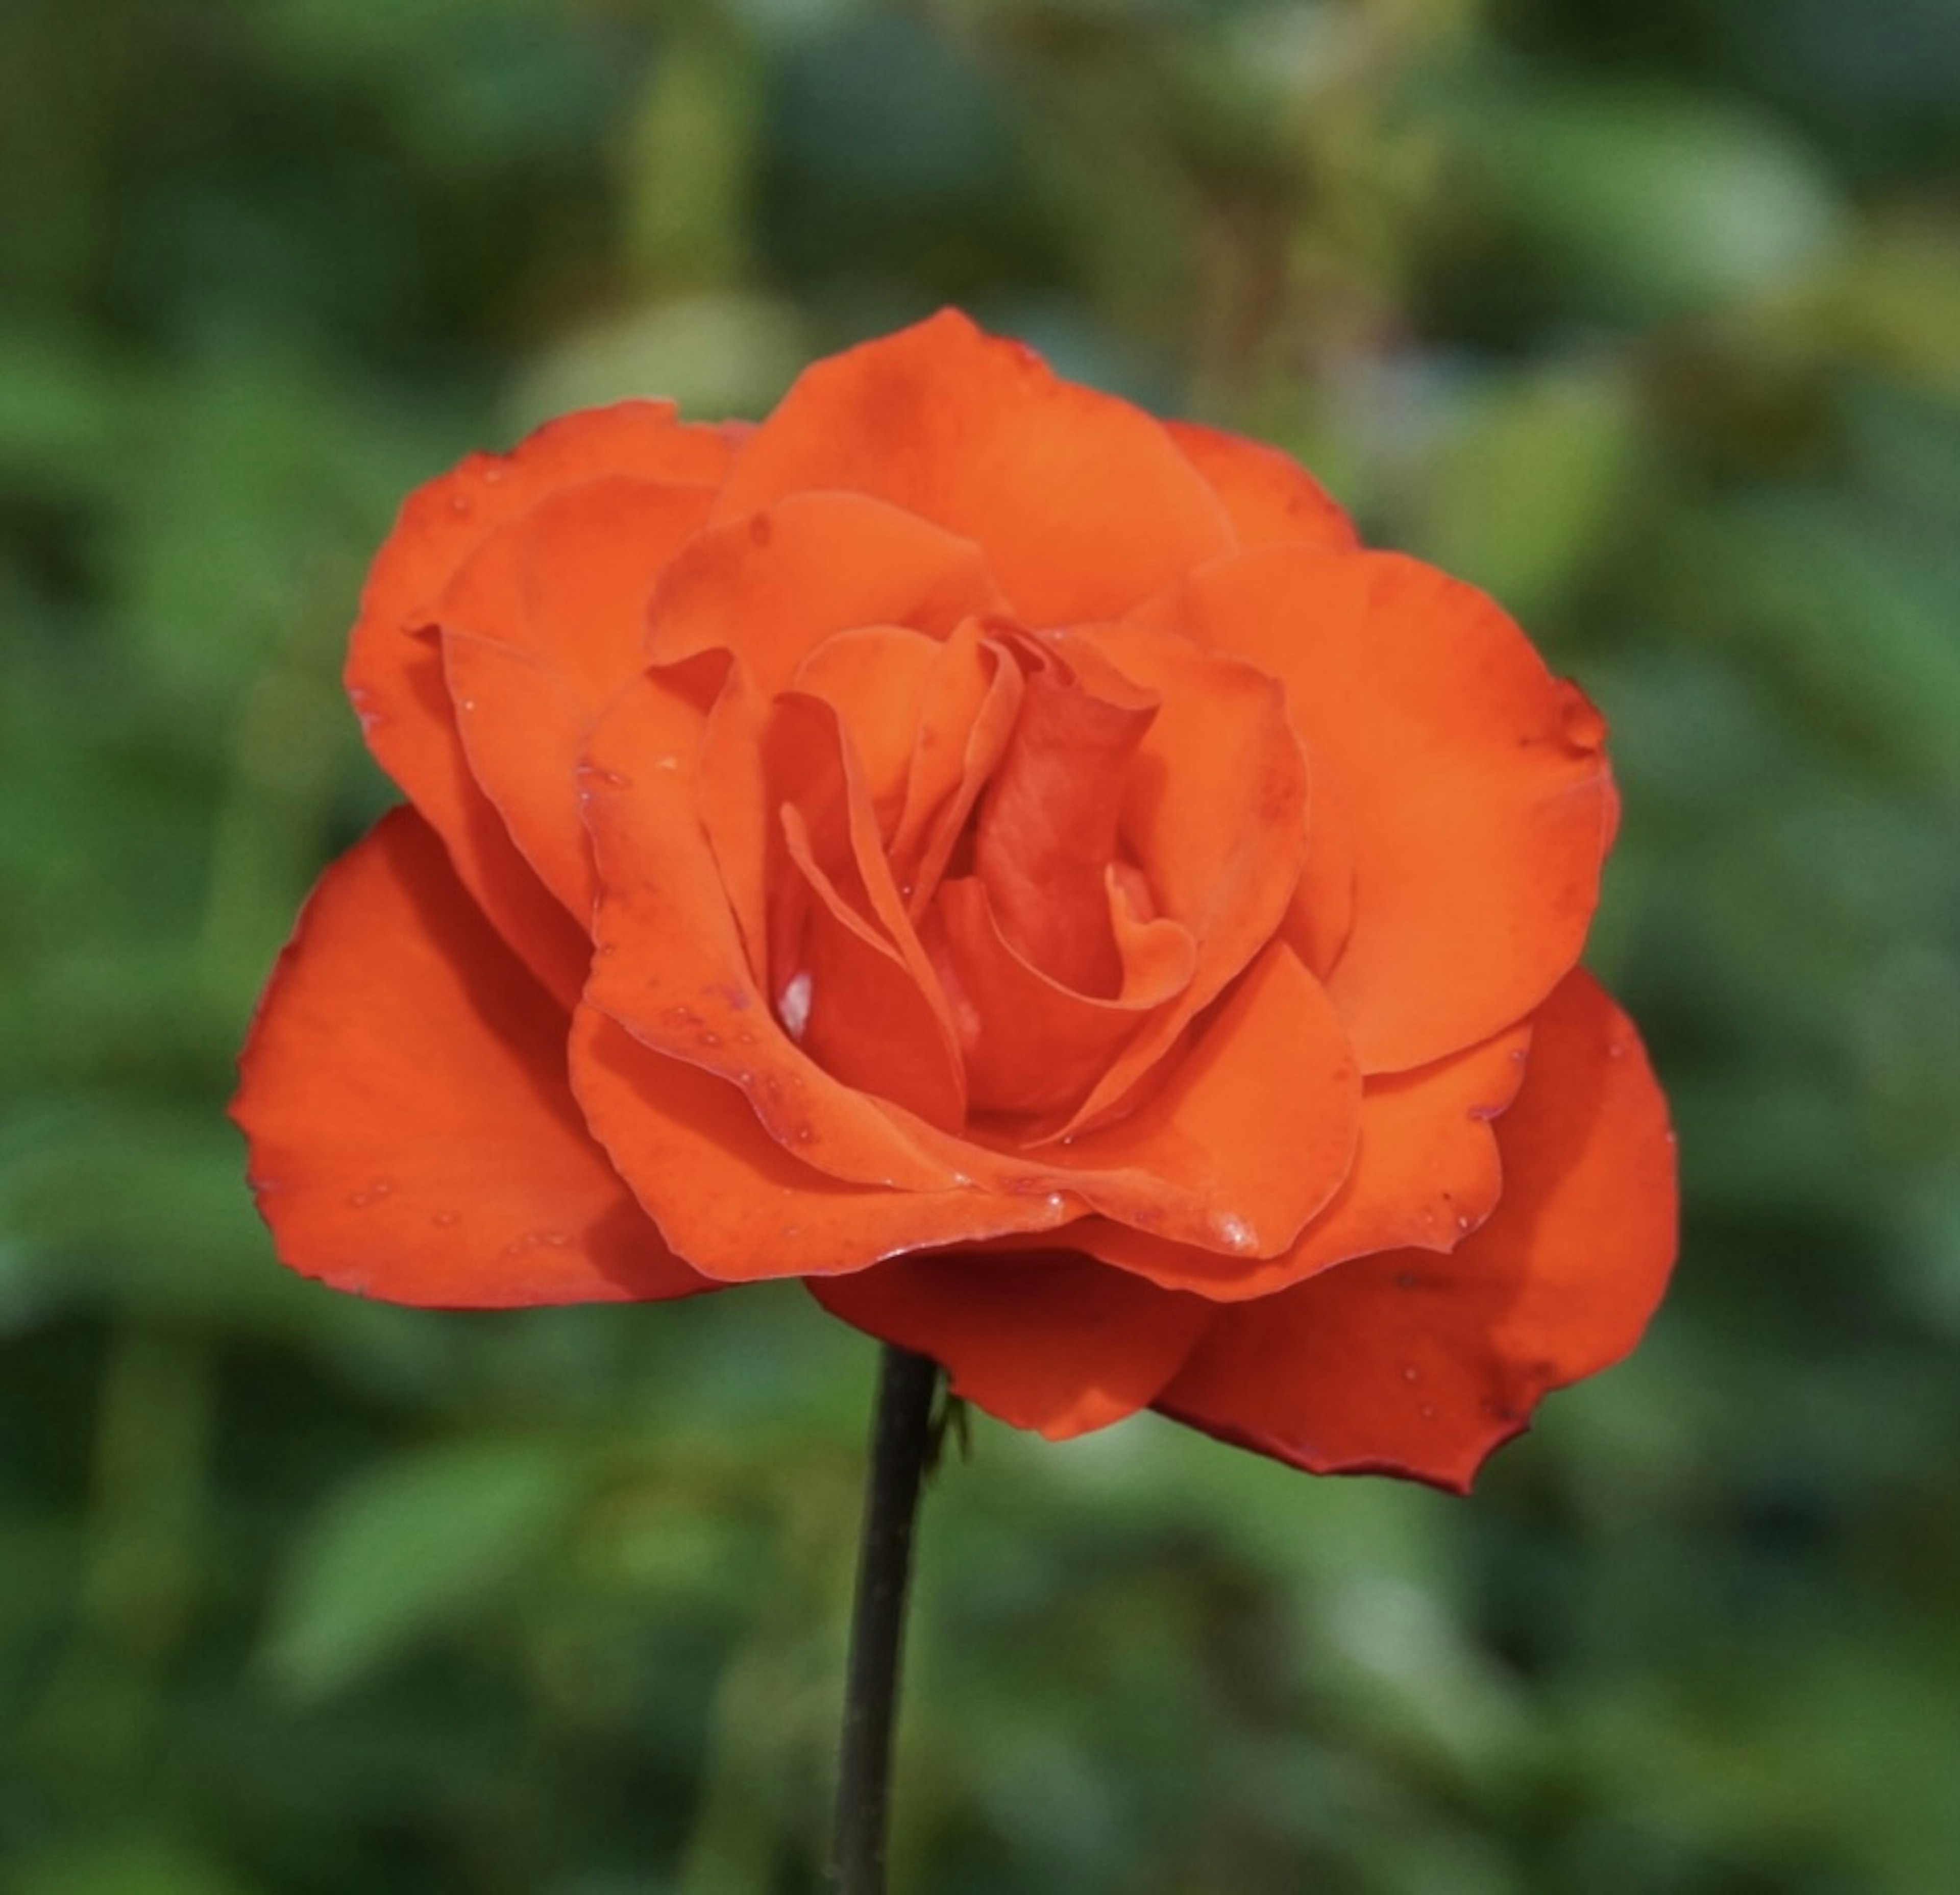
406	1549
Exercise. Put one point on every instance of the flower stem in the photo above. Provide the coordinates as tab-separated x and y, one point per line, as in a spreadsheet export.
901	1447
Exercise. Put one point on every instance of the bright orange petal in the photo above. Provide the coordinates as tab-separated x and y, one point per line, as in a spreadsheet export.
774	584
1473	783
878	678
1411	1363
1083	503
1043	1339
669	963
1250	1133
541	626
1425	1172
404	1096
394	674
736	1198
1032	1046
1269	495
1216	816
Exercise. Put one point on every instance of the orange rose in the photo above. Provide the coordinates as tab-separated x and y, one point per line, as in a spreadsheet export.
1021	867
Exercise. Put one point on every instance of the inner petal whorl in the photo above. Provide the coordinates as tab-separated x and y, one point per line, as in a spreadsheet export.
1045	833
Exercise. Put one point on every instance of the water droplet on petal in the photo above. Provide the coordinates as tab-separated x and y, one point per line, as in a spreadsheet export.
793	1005
443	1218
1234	1232
1411	1373
459	503
1429	1411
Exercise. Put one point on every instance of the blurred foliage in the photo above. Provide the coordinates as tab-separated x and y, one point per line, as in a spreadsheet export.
1645	314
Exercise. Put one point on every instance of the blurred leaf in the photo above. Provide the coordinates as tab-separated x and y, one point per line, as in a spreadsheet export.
721	357
126	1868
1535	473
403	1551
1658	203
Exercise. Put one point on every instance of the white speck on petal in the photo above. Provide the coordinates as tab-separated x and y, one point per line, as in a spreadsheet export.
1235	1232
793	1008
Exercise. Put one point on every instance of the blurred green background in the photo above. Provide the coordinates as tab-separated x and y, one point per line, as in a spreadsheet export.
1643	313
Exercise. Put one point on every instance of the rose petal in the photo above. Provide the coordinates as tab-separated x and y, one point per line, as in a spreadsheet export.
774	584
669	960
541	626
1426	1171
1268	495
1250	1133
1216	814
1410	1363
1084	504
403	1093
394	675
1045	836
965	721
1032	1045
735	1198
1045	1340
1472	781
878	680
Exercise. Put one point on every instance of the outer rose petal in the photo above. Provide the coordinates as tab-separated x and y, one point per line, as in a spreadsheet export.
412	1134
1268	495
1083	504
736	1200
1408	1363
1042	1340
1425	1172
1472	782
394	675
542	626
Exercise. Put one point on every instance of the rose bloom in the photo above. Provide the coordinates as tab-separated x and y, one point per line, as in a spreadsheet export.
1020	866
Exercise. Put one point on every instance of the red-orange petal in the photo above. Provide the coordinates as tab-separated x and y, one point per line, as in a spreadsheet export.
1268	495
1217	815
1032	1045
1084	504
1410	1363
541	626
1425	1172
737	1200
1044	1339
1250	1131
1044	834
394	673
1474	783
669	960
403	1093
878	678
774	583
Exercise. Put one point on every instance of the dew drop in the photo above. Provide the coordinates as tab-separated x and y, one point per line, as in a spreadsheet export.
557	1240
805	1133
443	1218
494	472
1235	1232
793	1005
1429	1411
459	503
360	1200
1463	1220
1410	1374
1617	1050
709	1039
